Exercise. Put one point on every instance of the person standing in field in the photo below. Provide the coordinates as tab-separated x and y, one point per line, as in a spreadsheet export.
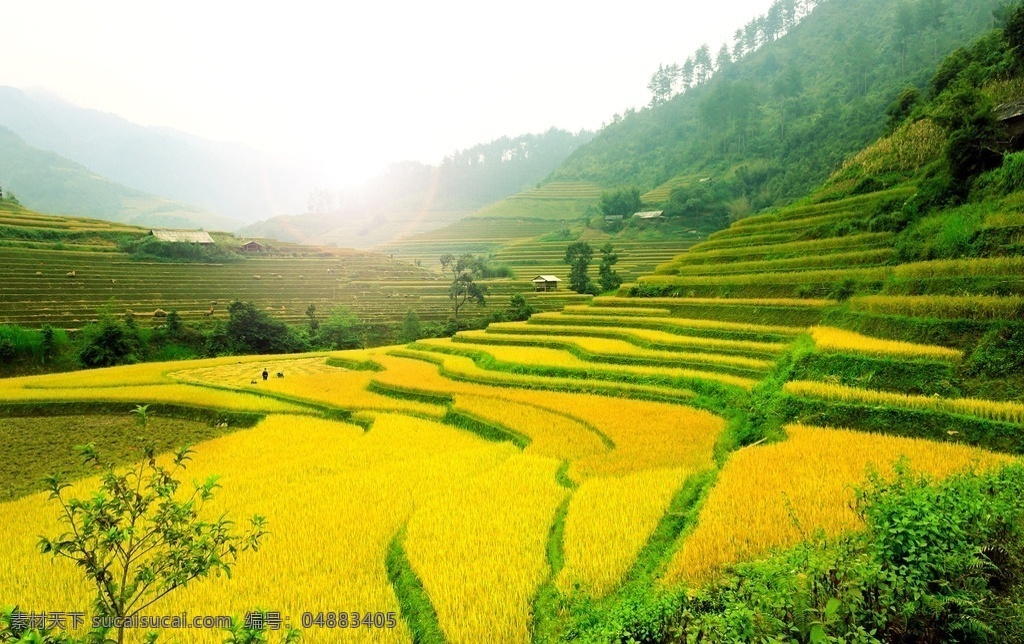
265	373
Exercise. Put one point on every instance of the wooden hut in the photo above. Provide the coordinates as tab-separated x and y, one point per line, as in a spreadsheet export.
252	246
546	283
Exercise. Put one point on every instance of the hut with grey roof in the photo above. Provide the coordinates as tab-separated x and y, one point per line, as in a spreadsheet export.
546	283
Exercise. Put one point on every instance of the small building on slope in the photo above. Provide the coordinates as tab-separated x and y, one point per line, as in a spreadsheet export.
252	246
546	283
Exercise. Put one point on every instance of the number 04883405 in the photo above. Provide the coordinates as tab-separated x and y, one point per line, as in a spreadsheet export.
349	619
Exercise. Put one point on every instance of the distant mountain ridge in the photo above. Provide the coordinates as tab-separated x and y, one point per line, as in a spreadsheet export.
778	121
228	179
50	183
411	197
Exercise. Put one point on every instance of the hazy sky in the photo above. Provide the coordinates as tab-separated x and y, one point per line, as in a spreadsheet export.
352	87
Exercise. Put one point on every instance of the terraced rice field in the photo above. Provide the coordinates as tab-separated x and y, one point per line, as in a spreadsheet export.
586	450
39	290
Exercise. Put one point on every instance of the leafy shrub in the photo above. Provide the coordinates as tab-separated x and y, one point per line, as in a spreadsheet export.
937	562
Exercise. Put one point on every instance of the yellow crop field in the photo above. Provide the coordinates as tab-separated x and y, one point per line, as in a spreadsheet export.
839	340
180	394
583	309
558	435
619	513
974	307
715	301
314	480
489	532
1007	412
621	320
647	435
147	373
763	492
613	347
971	267
463	368
309	379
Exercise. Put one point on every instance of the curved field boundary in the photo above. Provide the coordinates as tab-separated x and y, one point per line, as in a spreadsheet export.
213	415
876	257
733	365
690	332
639	392
417	609
675	342
699	380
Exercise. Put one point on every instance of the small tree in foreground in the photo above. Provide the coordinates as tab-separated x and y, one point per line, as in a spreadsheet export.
136	539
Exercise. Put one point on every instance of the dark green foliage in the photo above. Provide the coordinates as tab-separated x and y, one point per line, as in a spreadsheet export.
7	350
519	309
937	562
251	331
701	205
962	334
411	328
850	61
900	109
494	271
341	330
1000	353
886	374
623	202
108	343
908	422
610	279
1013	32
578	256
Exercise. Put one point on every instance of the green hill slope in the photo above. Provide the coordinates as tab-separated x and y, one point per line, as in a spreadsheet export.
47	182
776	123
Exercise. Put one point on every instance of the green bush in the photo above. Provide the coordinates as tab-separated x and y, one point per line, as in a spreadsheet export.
936	562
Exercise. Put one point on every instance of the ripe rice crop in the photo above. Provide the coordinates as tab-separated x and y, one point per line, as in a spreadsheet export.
839	340
908	148
973	307
803	277
539	357
646	434
490	532
668	332
178	394
611	319
1006	412
314	480
780	251
578	309
310	379
970	267
448	368
620	350
620	513
715	301
810	262
558	435
773	496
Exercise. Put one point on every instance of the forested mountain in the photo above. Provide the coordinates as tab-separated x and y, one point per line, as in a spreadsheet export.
412	197
227	179
50	183
777	121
